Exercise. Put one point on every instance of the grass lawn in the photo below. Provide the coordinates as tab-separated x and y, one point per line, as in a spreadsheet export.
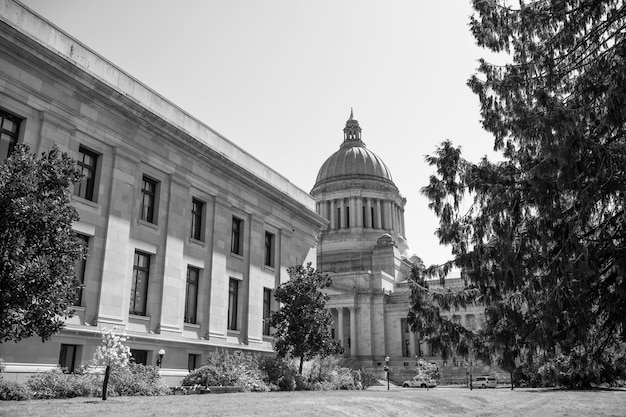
440	402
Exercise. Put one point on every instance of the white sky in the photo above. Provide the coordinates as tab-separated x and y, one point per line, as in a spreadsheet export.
278	78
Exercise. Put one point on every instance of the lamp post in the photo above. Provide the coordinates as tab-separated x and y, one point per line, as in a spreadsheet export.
387	370
160	360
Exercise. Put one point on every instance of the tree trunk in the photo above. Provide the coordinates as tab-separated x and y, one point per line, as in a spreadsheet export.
301	364
512	381
105	384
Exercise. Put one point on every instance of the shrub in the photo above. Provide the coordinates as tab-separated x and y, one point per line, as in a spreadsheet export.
279	373
136	379
230	370
13	391
57	384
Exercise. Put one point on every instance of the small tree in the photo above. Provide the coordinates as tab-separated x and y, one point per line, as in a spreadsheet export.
38	249
302	321
111	353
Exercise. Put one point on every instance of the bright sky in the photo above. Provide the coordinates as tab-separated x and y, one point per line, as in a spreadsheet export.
278	78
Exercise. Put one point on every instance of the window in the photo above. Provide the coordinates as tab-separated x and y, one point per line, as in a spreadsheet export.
233	300
348	217
406	333
139	356
197	209
139	284
79	272
191	297
9	129
267	310
148	199
67	357
269	249
87	161
237	237
193	361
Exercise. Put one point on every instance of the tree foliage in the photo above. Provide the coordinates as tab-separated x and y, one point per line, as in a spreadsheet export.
302	323
540	237
38	248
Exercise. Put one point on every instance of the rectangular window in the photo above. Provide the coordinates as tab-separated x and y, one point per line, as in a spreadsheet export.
270	241
197	210
267	310
87	161
233	301
79	272
67	357
348	217
373	217
148	199
139	356
139	284
193	360
191	297
237	237
9	129
406	344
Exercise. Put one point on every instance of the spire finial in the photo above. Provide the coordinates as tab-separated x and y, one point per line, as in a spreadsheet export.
352	131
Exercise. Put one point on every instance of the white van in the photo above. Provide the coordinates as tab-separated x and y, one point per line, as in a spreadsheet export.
485	382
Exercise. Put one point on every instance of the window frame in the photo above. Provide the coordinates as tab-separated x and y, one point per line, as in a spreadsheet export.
63	356
233	304
270	250
139	354
191	301
13	134
79	271
267	310
86	189
133	287
236	245
149	212
197	217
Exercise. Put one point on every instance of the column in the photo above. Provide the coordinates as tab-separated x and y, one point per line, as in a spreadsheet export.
367	222
379	222
396	225
359	212
353	211
340	325
342	214
333	213
402	222
353	331
387	208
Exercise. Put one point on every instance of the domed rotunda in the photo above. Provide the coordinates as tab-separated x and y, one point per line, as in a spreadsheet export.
364	250
354	190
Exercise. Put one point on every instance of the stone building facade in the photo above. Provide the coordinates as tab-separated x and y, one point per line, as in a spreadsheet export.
188	234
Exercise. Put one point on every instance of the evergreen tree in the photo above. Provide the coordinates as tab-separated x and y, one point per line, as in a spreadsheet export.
302	323
542	240
38	248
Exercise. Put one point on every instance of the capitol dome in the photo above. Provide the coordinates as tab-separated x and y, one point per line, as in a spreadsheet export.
353	160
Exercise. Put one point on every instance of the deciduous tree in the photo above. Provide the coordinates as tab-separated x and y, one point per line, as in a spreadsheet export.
38	248
302	322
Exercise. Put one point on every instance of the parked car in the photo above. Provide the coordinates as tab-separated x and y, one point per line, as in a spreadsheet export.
418	381
485	382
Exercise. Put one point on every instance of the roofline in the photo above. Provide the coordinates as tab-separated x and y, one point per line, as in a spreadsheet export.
51	37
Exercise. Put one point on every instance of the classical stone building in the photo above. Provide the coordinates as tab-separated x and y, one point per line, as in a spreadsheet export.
188	234
364	248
